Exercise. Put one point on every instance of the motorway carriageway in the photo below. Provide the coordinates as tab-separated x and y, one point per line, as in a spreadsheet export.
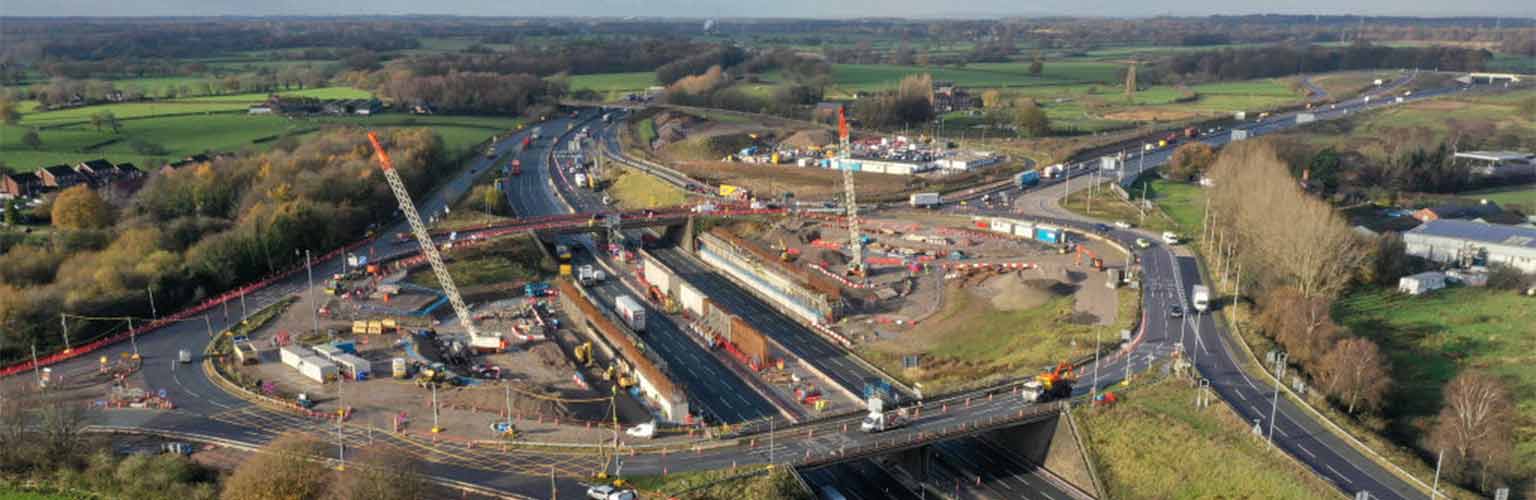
713	390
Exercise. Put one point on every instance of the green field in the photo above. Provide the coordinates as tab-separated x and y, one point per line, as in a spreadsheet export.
1153	444
71	141
848	78
1183	202
1432	337
636	190
610	82
256	97
1523	195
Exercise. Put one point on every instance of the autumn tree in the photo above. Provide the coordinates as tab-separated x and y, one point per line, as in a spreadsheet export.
1301	325
285	468
1287	237
991	99
1476	428
1190	160
1355	373
1032	121
80	207
9	115
381	474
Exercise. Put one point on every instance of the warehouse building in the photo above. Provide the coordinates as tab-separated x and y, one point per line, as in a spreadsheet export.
1468	243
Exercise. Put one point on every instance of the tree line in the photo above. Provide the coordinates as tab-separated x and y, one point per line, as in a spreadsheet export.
199	231
1282	60
1296	255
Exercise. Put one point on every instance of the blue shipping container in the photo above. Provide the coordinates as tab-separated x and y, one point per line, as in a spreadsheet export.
1048	235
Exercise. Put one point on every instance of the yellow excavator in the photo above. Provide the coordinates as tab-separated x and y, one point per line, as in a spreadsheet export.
583	353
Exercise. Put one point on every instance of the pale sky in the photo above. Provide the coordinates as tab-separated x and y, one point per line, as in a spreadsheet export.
777	8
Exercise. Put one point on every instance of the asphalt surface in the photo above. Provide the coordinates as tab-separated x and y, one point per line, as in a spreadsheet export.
713	390
856	480
206	410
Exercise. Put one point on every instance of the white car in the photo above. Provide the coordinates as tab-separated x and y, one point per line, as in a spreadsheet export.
644	431
1122	224
1143	243
1170	238
606	492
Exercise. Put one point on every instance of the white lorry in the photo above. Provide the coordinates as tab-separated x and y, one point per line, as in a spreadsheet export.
1201	298
631	312
581	180
880	421
589	275
920	200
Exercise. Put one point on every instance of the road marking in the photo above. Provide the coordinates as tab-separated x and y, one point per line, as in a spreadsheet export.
1305	450
1336	472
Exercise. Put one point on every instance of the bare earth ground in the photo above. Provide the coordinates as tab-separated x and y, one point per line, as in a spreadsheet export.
805	182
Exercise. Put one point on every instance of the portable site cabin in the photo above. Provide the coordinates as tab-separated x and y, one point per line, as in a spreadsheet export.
1421	283
355	367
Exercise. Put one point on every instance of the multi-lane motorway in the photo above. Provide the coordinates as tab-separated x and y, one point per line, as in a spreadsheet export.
205	410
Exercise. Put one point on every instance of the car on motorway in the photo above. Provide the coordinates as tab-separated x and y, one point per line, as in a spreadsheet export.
1175	311
1143	243
1102	228
1122	224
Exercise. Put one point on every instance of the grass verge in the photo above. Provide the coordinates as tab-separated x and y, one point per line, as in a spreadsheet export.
633	189
1134	444
774	484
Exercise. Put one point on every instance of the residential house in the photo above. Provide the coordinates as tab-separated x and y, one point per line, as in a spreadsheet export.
60	177
20	185
97	171
1468	243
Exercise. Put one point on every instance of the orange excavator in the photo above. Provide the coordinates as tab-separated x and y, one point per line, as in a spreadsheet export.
1056	384
1093	258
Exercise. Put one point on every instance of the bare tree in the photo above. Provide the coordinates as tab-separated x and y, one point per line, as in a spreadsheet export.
381	474
1303	326
1291	238
61	424
286	468
1476	427
1354	372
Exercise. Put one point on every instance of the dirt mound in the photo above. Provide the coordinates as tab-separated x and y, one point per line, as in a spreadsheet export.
1013	293
808	138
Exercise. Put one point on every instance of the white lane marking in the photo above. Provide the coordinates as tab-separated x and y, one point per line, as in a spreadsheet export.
1336	473
1305	450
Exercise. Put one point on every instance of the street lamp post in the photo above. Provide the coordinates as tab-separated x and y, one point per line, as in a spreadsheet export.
152	312
1093	393
1274	404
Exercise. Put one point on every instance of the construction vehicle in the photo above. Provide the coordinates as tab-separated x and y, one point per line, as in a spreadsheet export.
563	252
787	254
878	421
588	275
1098	264
429	250
1056	384
434	375
583	353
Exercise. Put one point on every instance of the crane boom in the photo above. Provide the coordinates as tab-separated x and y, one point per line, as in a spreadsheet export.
856	243
420	230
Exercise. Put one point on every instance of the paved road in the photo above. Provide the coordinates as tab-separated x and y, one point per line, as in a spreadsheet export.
857	480
713	390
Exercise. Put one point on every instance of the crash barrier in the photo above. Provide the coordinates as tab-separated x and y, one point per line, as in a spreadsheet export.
179	316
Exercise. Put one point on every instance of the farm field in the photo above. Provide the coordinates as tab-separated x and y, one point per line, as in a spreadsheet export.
1523	195
73	141
1428	339
1216	453
611	82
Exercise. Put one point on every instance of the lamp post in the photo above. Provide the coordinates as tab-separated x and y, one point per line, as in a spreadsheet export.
1274	404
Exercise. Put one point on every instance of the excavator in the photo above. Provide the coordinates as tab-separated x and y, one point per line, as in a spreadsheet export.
1056	384
1098	264
583	353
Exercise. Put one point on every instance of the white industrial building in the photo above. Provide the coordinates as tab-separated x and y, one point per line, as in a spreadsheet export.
1467	243
891	167
1499	163
968	160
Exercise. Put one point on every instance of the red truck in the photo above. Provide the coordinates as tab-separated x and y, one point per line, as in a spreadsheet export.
1191	132
527	141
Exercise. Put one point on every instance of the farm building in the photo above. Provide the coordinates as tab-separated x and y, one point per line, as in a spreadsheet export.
1499	163
1421	283
1467	243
